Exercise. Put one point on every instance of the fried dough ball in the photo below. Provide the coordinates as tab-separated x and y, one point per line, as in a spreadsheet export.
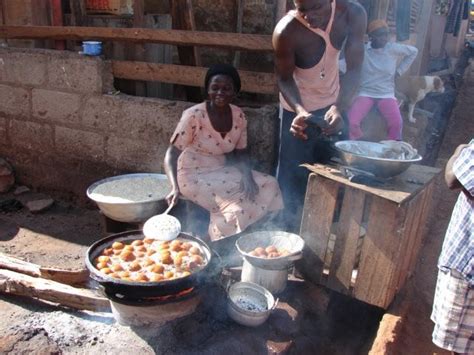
148	262
117	245
135	266
185	273
168	274
197	259
166	259
108	251
116	251
150	252
128	248
178	261
182	254
175	246
148	241
141	278
140	254
103	259
273	255
260	251
127	256
271	249
254	253
116	267
101	265
114	275
141	248
157	277
105	270
186	246
157	269
195	251
136	243
124	274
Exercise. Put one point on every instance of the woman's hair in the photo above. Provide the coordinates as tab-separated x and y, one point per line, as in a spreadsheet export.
223	69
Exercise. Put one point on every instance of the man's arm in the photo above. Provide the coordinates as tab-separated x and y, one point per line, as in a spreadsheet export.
284	50
459	172
354	55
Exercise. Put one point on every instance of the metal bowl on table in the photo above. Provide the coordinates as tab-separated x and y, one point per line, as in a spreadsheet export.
131	198
371	157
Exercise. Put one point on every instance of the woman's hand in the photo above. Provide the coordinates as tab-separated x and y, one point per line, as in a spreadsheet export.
172	197
334	119
299	125
248	186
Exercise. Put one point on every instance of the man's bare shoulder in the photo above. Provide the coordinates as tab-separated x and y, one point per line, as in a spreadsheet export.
285	27
351	10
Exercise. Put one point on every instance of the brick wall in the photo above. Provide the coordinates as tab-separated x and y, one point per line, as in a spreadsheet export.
62	129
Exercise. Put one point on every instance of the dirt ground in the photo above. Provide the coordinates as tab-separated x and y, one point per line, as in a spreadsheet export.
307	320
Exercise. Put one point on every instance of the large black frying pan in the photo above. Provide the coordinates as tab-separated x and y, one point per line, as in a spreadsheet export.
138	290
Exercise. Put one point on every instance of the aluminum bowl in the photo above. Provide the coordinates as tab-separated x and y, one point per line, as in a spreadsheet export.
249	304
130	212
373	163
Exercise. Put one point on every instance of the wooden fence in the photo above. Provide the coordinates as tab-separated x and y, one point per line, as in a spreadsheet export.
255	82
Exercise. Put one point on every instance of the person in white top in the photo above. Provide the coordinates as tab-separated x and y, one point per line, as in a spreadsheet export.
383	62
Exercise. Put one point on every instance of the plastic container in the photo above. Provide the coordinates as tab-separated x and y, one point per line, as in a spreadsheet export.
92	48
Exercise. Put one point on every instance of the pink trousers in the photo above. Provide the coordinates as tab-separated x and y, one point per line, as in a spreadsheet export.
388	108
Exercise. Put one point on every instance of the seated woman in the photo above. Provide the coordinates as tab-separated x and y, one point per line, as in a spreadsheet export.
206	160
383	61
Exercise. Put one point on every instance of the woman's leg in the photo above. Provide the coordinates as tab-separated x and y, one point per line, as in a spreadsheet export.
391	112
359	109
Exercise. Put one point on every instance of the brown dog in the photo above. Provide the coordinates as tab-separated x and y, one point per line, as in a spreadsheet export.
415	88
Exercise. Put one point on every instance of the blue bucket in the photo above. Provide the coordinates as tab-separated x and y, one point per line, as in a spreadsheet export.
92	48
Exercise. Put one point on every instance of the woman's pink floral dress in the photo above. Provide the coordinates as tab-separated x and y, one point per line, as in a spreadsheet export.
204	178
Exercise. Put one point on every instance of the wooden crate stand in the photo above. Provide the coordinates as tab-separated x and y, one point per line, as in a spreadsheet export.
373	265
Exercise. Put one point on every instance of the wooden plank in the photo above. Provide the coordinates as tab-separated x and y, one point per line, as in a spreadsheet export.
47	290
422	42
69	277
318	213
137	52
400	189
379	255
236	41
187	75
182	18
78	12
347	236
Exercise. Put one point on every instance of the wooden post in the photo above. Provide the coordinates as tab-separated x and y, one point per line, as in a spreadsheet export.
280	10
380	9
183	18
419	65
138	51
78	12
240	14
57	20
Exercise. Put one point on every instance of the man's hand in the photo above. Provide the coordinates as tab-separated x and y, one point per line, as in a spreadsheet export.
248	186
334	119
172	197
299	125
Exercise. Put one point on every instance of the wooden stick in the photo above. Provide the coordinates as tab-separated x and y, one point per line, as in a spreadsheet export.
69	277
256	82
51	291
244	42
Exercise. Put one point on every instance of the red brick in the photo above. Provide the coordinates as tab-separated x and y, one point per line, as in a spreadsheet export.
55	106
14	101
79	144
24	68
31	136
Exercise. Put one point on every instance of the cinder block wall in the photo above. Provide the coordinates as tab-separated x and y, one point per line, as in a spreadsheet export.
62	128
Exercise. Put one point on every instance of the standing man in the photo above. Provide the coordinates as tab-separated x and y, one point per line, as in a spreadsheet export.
307	43
453	306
